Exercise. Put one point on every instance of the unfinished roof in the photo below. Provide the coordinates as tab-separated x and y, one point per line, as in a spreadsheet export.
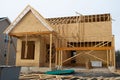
34	18
75	19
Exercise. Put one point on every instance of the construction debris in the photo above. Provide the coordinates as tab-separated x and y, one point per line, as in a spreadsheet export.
62	77
80	74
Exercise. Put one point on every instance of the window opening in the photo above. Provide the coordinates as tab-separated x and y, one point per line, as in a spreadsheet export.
30	50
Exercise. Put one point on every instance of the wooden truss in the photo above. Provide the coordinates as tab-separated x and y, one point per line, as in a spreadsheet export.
79	19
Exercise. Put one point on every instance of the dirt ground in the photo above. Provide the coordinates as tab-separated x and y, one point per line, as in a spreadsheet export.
92	74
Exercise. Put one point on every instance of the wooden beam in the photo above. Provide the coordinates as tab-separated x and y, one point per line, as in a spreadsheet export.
107	58
84	48
26	47
114	57
29	33
56	59
110	58
56	53
50	55
61	58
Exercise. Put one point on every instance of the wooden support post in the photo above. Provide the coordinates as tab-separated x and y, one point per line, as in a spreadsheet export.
107	58
56	59
65	43
83	33
87	44
114	57
110	58
113	51
56	52
91	44
8	52
50	55
61	58
26	47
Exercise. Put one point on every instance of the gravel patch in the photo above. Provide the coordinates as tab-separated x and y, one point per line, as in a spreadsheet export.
95	74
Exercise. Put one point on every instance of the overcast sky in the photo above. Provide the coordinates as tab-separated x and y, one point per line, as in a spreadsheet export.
58	8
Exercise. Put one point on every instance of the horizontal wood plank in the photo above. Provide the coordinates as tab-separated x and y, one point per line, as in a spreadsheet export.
84	48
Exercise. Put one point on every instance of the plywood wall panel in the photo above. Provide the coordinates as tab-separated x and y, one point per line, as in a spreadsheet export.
29	23
83	58
90	31
27	62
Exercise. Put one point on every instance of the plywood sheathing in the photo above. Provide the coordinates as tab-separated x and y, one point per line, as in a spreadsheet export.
92	30
24	62
25	22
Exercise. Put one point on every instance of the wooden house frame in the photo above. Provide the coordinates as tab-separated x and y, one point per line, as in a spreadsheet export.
62	41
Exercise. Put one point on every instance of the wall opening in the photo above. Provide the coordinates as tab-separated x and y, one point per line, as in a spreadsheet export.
73	53
48	53
30	50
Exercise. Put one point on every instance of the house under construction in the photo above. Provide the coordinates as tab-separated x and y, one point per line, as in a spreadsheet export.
63	41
